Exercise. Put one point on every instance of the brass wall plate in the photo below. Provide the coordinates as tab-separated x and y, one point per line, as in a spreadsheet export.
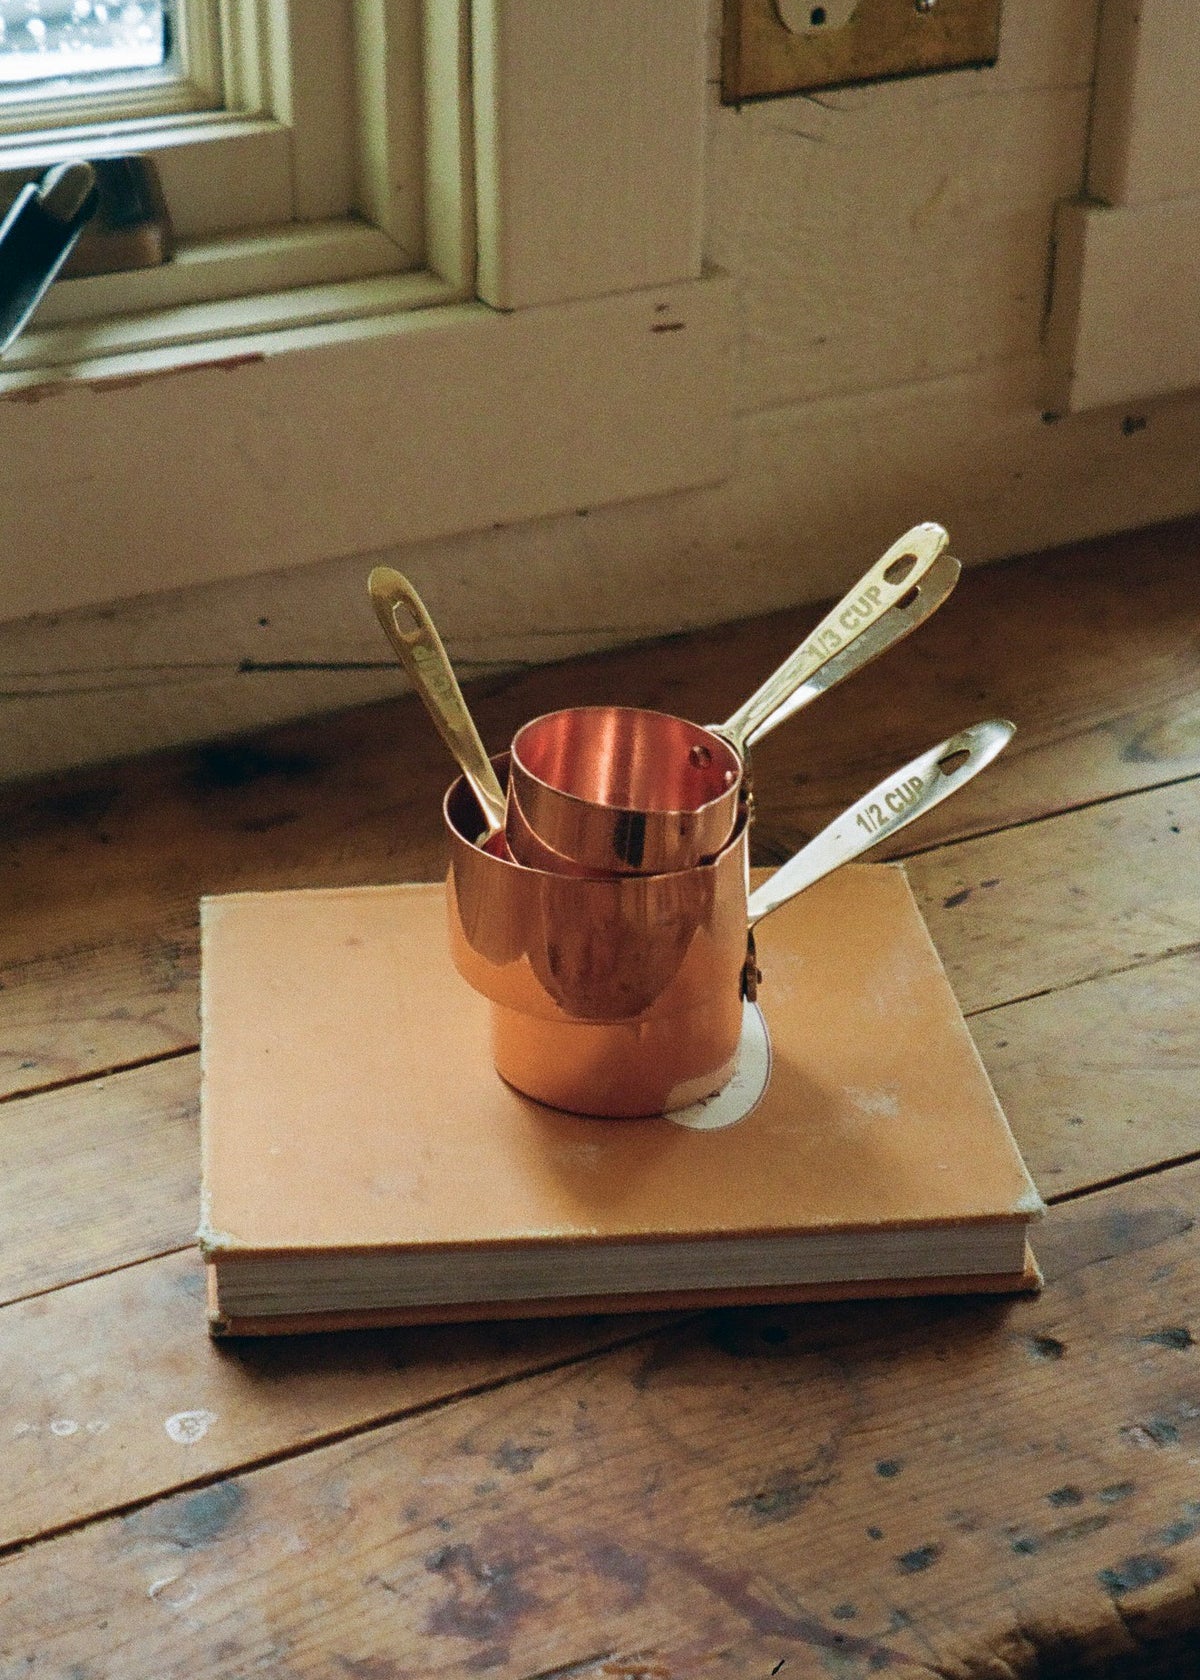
762	57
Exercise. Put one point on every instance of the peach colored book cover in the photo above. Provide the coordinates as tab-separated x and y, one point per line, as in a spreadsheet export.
349	1101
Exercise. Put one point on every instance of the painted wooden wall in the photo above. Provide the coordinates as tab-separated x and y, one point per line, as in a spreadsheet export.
890	251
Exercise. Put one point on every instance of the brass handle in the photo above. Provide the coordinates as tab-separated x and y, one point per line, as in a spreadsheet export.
889	580
920	602
427	663
891	806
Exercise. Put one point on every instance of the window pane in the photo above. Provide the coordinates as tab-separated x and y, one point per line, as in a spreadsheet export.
52	40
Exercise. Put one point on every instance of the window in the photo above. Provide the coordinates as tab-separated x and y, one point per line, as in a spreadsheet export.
75	46
287	137
543	337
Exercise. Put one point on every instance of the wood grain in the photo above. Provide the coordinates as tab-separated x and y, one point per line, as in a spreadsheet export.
1123	1101
99	1175
104	1173
980	1490
1049	904
740	1489
1101	1079
104	868
114	1393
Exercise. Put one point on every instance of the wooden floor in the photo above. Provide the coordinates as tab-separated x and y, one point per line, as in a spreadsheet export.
960	1488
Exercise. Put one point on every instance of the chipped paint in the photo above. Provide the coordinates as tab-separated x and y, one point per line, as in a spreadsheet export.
213	1240
127	381
186	1428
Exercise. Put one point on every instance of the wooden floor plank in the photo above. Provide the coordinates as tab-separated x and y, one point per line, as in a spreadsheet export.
1124	1102
1028	908
99	1005
114	1393
98	1176
953	1488
1055	902
102	870
1031	909
943	1487
1103	1079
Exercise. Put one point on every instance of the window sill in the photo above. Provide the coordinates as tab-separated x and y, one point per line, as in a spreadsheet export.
204	440
210	270
160	340
226	447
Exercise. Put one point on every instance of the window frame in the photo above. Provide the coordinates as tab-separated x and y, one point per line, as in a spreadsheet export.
275	138
136	93
261	269
567	351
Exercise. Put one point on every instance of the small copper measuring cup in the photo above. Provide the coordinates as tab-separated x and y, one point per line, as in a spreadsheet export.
620	790
623	996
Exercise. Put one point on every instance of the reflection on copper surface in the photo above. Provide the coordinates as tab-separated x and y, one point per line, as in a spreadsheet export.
615	788
592	949
618	995
523	845
620	1069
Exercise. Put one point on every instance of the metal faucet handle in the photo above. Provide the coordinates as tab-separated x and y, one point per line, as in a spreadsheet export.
80	218
36	238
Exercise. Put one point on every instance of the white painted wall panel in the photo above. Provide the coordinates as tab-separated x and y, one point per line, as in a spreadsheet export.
925	403
1145	143
640	221
1124	323
454	419
890	233
1127	325
818	490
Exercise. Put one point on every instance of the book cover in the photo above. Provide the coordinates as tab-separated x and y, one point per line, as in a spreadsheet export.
363	1162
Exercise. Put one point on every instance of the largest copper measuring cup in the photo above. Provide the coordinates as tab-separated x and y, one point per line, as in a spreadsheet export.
617	789
624	996
617	996
564	948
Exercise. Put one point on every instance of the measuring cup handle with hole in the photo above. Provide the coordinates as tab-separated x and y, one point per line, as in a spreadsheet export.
878	815
919	602
425	659
889	580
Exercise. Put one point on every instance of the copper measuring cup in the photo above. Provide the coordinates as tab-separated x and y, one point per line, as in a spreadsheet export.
588	948
648	1016
620	790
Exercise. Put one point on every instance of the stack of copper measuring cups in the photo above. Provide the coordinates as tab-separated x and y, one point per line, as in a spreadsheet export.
599	888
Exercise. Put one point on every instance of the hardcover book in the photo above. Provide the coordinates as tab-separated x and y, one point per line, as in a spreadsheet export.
363	1163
